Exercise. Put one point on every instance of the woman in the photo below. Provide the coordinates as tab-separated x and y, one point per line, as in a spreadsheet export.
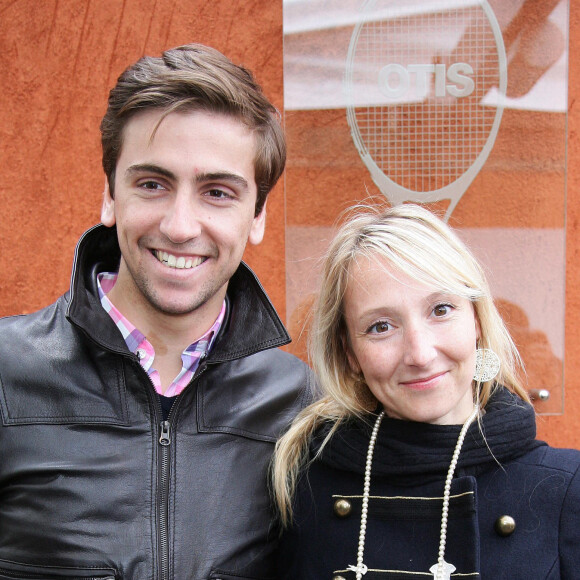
419	460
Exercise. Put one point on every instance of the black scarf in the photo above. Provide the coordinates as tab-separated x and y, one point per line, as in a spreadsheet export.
405	449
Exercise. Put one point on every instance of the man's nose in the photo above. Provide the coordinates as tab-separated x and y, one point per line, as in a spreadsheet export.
182	220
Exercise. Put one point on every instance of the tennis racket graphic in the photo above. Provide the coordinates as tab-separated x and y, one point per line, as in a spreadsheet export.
419	77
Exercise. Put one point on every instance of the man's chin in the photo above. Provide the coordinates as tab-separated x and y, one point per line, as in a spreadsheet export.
176	309
185	305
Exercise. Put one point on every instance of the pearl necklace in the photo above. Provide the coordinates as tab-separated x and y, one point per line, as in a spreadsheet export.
442	570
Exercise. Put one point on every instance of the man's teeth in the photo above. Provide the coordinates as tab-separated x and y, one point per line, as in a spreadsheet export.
173	262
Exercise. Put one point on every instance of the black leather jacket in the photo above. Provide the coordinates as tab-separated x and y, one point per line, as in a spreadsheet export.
93	483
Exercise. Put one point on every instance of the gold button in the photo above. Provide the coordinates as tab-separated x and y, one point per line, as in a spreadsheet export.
505	525
342	508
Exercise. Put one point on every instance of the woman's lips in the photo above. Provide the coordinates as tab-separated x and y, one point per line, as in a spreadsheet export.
424	383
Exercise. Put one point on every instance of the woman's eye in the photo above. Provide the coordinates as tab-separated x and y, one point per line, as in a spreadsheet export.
379	327
442	309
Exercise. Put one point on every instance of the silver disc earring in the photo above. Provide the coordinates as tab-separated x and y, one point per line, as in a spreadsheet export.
487	365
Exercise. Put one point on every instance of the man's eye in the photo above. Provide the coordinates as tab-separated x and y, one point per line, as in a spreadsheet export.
218	193
152	185
379	327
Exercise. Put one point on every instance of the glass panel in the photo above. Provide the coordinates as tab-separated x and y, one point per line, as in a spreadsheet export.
457	103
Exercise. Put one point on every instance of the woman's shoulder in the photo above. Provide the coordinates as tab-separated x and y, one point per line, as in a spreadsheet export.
566	461
342	444
559	491
550	473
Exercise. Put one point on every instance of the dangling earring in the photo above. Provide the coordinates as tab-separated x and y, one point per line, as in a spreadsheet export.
487	365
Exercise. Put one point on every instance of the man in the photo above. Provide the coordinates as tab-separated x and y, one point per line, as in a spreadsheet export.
139	412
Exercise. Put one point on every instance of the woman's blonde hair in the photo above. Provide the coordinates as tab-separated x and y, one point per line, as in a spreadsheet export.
422	246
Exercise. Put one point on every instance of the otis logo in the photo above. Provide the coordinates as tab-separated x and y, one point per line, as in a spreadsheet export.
396	80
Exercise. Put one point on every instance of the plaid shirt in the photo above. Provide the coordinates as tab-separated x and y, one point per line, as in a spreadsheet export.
139	345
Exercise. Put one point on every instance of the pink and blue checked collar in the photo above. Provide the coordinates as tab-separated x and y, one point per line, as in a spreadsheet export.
139	345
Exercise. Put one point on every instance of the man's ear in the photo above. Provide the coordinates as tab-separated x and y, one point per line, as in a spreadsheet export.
108	207
258	227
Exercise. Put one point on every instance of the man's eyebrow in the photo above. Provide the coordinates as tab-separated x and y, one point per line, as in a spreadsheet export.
233	178
149	168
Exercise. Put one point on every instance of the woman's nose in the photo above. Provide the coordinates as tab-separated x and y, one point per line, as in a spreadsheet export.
419	345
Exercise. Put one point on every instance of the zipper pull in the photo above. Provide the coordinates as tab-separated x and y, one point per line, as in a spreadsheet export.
164	437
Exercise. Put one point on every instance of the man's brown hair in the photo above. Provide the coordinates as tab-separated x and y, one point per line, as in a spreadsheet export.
195	77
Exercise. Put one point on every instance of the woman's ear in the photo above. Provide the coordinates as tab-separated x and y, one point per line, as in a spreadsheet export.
350	356
477	327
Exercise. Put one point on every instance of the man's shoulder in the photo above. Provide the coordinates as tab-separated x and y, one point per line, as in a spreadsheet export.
264	391
281	367
36	342
286	358
33	325
278	374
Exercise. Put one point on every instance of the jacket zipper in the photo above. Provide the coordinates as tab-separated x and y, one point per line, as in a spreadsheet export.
162	506
164	479
164	443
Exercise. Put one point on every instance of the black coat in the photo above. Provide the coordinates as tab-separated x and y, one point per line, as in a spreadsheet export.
508	473
88	489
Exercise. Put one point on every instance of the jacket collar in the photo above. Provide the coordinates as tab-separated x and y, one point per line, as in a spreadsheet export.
251	323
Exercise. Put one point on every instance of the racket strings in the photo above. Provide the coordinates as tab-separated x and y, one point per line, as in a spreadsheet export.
424	142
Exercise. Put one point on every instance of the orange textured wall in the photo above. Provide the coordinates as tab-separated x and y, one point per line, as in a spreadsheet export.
564	430
60	59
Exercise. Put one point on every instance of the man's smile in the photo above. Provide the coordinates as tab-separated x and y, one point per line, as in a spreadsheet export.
180	262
